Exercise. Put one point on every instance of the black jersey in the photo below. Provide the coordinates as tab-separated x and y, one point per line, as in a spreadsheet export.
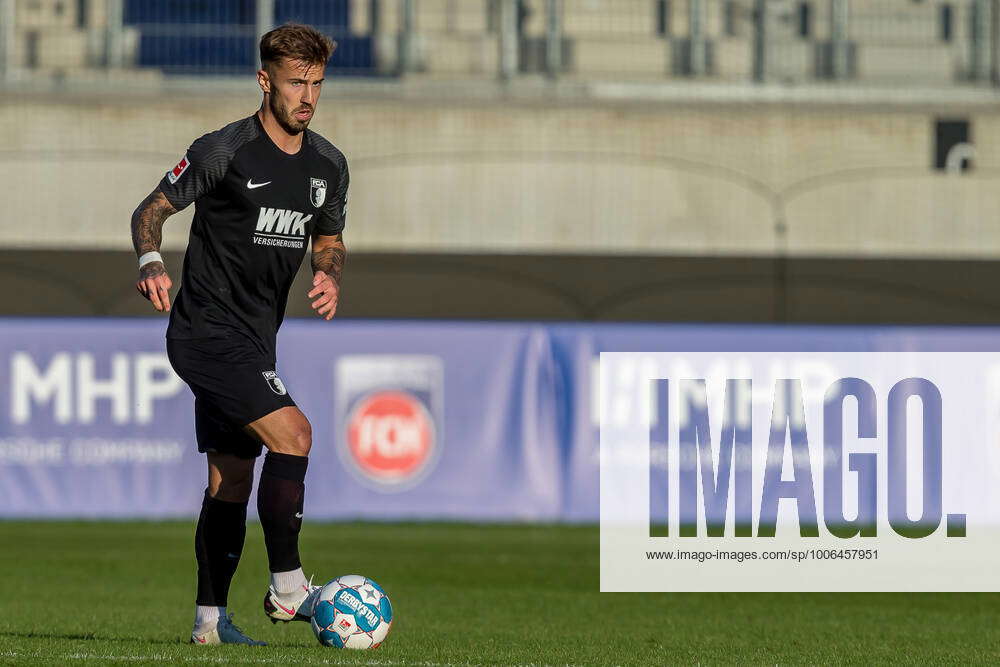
255	209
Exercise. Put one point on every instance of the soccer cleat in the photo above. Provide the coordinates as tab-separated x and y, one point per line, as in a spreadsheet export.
285	610
224	632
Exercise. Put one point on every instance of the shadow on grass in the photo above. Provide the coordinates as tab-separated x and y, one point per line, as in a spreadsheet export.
88	636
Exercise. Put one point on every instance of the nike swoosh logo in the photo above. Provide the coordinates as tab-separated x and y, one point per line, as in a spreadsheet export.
251	185
298	515
283	607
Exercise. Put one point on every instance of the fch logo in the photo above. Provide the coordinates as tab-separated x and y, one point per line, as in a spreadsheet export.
390	412
390	436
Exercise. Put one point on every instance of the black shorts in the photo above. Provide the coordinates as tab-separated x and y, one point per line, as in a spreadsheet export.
233	385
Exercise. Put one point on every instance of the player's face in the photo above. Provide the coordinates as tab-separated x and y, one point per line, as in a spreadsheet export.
294	88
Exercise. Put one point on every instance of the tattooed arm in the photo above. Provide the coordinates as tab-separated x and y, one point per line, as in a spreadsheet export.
147	232
328	255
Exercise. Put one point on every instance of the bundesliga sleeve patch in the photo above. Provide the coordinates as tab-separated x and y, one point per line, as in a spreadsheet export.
177	171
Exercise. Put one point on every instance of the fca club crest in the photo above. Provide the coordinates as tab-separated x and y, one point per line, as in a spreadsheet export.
317	191
275	383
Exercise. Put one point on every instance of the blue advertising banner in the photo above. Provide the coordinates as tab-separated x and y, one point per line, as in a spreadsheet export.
577	349
411	420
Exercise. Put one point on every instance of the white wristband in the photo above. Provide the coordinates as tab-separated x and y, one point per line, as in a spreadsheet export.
150	257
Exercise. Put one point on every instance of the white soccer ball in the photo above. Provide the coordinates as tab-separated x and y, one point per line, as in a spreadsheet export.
351	612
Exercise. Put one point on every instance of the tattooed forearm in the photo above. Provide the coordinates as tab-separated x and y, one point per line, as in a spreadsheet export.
328	256
147	225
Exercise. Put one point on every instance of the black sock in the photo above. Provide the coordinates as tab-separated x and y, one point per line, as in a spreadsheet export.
279	505
218	543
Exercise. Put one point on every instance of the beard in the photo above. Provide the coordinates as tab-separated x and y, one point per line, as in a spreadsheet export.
286	117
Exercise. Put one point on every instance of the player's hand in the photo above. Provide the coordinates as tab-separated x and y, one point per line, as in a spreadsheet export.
327	291
155	284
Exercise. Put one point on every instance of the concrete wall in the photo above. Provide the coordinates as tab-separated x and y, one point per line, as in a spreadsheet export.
572	177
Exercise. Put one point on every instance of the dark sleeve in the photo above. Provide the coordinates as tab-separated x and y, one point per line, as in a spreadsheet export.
198	172
333	215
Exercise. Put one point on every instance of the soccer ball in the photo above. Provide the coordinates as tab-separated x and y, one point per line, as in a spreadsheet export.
351	612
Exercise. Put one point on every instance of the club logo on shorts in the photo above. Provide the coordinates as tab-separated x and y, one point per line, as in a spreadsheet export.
317	191
275	383
176	172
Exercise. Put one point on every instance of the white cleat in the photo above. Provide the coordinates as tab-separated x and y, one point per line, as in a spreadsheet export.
224	632
295	607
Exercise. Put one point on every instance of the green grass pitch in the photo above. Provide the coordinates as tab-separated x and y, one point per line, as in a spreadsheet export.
121	593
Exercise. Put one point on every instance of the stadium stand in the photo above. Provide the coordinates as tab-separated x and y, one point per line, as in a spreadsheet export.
884	41
772	182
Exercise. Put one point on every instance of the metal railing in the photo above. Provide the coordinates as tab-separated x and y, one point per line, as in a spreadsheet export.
788	41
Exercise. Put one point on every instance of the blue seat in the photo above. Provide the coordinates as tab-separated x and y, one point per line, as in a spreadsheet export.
213	37
220	12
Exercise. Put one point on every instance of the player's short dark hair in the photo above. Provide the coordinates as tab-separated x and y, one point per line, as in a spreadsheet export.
295	41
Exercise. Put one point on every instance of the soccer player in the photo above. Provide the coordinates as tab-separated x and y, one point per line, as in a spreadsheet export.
262	187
